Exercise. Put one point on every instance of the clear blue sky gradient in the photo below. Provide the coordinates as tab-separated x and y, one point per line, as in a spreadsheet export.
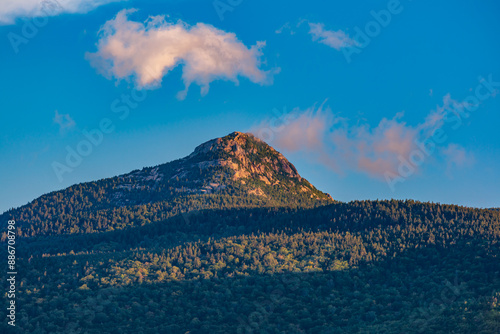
441	46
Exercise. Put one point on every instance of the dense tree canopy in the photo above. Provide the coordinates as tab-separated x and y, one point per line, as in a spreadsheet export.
370	266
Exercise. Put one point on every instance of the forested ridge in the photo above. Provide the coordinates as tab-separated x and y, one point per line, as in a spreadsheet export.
232	240
368	266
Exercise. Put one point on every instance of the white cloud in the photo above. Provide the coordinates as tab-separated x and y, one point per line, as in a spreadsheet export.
334	39
10	10
148	51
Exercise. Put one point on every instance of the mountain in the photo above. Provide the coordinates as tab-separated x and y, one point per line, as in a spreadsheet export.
231	239
238	170
242	159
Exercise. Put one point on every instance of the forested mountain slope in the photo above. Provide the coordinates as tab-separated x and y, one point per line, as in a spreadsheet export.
178	257
369	267
238	170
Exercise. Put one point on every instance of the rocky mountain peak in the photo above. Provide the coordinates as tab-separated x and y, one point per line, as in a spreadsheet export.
236	161
247	155
249	160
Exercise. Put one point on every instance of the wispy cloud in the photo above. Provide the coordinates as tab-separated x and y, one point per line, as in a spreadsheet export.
436	118
148	51
376	150
457	157
64	121
372	150
284	28
10	10
334	39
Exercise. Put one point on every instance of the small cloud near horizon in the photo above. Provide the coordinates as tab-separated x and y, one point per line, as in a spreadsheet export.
64	121
457	157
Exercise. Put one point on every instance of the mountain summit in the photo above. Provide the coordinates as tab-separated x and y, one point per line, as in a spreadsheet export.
243	158
238	170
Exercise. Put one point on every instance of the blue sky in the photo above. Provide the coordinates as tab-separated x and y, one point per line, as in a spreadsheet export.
349	114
